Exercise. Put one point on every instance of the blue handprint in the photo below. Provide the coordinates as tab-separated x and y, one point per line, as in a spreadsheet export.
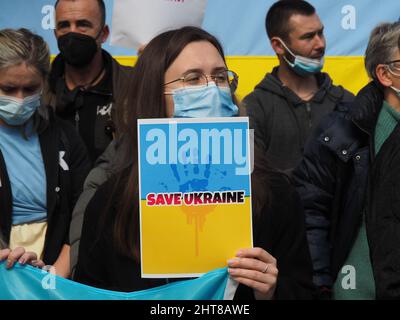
199	177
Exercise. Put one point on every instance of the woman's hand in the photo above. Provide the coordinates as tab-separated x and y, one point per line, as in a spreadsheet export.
255	268
20	255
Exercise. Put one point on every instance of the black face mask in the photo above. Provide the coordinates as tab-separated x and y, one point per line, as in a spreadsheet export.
77	49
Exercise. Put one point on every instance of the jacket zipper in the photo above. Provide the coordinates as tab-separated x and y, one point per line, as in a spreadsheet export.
77	120
308	108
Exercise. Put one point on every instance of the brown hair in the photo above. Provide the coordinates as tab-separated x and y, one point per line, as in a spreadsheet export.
146	100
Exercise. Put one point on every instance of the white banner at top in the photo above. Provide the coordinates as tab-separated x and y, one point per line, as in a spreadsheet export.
136	22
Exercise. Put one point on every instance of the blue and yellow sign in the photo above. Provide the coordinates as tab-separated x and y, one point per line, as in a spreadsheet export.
195	198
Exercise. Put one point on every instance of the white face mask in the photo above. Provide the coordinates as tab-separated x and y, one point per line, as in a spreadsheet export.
303	66
15	111
397	91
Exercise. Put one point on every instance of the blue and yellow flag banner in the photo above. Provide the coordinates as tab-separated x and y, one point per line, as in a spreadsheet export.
28	283
240	26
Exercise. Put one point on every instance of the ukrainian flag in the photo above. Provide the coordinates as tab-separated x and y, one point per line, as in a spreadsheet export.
28	283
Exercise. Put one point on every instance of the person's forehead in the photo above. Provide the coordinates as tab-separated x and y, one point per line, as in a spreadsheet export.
19	75
199	55
301	24
78	10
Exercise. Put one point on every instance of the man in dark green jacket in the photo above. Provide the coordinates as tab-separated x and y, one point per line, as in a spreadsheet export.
349	183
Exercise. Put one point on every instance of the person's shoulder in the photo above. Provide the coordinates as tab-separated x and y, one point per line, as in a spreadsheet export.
336	92
265	87
341	94
65	126
265	97
116	183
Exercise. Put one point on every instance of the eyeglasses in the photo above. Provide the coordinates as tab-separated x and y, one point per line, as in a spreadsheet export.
223	78
394	67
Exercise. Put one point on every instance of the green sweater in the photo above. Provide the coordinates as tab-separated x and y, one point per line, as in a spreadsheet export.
355	280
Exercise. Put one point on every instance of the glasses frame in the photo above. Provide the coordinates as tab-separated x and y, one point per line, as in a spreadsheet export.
232	86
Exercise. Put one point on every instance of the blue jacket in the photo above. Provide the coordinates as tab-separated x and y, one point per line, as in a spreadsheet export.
332	180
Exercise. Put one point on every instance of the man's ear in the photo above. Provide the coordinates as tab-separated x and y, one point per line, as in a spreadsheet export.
383	75
277	46
106	33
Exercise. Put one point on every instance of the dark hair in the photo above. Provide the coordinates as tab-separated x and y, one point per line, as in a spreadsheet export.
146	100
102	8
2	243
277	19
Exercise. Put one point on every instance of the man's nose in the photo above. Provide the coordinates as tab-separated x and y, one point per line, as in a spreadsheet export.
319	42
20	94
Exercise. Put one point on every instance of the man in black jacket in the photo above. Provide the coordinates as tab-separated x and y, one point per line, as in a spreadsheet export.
288	103
349	182
86	85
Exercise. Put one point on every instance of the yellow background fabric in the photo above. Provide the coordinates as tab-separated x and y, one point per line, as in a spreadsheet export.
346	71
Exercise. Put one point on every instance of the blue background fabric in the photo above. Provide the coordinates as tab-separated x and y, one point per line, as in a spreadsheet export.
29	283
238	24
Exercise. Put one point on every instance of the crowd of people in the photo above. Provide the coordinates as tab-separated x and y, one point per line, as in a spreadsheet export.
324	184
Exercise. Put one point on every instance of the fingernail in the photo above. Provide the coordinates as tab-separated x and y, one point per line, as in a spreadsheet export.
232	261
9	264
22	261
231	270
239	253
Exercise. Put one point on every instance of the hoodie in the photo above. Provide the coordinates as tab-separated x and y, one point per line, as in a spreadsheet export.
282	121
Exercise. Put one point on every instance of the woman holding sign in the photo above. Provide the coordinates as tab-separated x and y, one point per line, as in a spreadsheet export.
183	73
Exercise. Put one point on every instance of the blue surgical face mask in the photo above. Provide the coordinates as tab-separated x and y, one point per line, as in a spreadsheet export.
303	66
16	112
203	101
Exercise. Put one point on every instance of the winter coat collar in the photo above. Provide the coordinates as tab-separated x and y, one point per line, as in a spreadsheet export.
366	107
58	69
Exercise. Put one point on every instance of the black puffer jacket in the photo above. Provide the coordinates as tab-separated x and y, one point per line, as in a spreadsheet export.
332	180
383	218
